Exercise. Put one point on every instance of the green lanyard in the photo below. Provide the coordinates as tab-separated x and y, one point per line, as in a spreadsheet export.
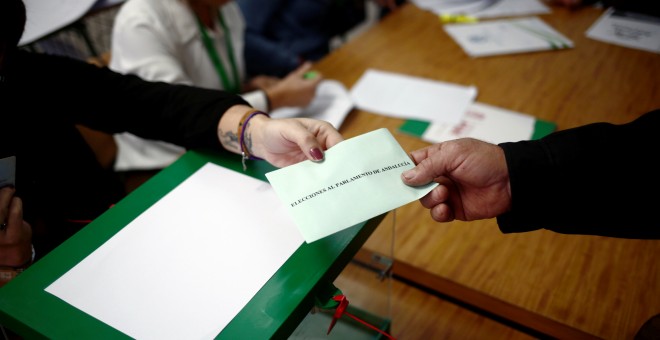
213	54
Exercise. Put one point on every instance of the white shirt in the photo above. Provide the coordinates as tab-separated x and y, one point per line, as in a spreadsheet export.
160	40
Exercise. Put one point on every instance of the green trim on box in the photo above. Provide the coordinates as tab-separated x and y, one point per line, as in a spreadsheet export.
414	127
543	128
275	311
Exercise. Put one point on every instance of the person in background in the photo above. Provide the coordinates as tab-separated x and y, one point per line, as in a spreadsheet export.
282	34
192	42
59	184
597	179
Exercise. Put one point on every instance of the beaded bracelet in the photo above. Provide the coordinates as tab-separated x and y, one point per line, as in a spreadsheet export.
242	126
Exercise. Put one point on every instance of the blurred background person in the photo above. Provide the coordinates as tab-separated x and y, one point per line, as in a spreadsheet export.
192	42
283	34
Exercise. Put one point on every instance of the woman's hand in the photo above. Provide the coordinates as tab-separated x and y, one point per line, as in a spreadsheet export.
295	90
261	83
283	142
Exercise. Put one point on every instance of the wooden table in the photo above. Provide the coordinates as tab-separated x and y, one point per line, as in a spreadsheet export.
564	286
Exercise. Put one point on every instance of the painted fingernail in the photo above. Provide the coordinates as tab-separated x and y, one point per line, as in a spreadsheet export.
316	153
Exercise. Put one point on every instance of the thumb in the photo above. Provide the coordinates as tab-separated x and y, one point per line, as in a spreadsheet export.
427	169
306	141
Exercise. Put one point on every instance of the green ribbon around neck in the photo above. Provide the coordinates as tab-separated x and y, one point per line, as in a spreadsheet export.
231	86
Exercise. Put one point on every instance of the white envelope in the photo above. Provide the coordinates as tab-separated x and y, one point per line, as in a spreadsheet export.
360	178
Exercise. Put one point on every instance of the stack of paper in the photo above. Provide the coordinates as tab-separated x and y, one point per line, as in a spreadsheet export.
484	8
437	111
331	103
627	29
403	96
507	36
484	122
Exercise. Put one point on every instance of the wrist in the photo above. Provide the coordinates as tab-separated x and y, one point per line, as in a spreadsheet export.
253	136
248	134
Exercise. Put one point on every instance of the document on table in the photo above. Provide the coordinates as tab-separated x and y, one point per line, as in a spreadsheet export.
186	266
627	29
360	178
331	103
484	8
507	36
403	96
481	121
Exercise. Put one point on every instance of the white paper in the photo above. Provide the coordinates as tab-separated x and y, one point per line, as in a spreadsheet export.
627	29
331	103
404	96
484	122
187	265
360	178
484	8
47	16
507	36
509	8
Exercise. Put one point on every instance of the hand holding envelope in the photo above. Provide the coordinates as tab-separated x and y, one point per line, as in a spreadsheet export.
360	178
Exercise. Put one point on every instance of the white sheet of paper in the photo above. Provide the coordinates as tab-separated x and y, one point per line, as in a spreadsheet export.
507	36
509	8
484	8
485	122
47	16
187	265
627	29
332	103
403	96
360	178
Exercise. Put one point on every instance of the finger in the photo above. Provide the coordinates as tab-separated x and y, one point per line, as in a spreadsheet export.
420	154
15	219
326	134
331	137
429	166
305	72
300	71
442	213
312	137
6	195
315	78
438	195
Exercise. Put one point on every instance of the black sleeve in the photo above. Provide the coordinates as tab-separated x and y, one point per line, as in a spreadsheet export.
638	6
598	179
65	89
